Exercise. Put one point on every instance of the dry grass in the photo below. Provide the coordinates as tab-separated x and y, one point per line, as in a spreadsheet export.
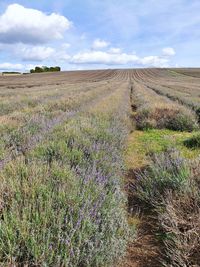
181	224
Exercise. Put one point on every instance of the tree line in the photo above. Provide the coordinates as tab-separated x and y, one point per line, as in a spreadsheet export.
45	69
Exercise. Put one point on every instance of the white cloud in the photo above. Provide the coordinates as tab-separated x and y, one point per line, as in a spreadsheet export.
114	50
37	53
100	57
25	25
107	58
32	53
98	43
168	51
10	66
154	61
61	56
7	66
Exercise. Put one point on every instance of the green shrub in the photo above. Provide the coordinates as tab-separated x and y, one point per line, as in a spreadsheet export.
198	114
193	142
164	117
183	121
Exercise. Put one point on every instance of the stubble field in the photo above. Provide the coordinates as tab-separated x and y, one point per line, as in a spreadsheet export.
100	168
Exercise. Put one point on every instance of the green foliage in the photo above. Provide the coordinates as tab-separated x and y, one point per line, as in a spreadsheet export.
57	68
164	118
45	69
11	72
38	69
182	122
193	142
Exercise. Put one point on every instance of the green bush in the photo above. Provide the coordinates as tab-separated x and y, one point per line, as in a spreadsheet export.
198	114
193	142
166	118
182	122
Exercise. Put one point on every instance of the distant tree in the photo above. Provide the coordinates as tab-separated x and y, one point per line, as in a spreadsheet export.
11	72
57	68
45	69
51	68
38	69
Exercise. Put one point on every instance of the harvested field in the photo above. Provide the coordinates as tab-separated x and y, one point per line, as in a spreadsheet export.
96	168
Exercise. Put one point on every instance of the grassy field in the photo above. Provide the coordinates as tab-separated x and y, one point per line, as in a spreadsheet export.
100	168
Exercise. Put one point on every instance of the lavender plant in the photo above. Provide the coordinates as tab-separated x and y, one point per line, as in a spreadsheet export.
166	172
64	206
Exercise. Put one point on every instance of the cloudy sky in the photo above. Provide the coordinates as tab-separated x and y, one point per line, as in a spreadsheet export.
91	34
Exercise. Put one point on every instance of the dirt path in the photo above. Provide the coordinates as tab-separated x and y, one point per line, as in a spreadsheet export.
144	251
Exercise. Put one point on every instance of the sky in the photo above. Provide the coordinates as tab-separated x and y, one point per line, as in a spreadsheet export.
99	34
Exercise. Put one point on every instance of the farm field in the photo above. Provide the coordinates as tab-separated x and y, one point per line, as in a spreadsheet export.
100	168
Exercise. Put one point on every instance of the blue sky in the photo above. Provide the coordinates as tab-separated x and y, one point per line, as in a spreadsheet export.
94	34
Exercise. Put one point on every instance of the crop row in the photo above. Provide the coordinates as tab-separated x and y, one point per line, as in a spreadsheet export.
62	203
166	188
183	89
169	189
35	123
156	111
